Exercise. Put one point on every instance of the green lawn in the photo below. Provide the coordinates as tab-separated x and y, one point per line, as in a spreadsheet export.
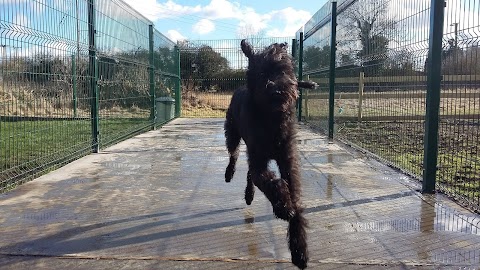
402	145
28	148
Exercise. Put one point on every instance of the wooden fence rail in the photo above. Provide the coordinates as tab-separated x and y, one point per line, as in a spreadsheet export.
361	95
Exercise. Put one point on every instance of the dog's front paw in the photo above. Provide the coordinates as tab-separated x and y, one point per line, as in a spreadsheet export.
229	174
249	192
249	198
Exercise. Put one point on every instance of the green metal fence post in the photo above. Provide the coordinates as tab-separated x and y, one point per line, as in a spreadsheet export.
152	76
294	48
333	50
294	52
300	76
93	73
178	92
434	77
74	86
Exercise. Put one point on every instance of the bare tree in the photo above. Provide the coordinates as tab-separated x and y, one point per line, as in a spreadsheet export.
249	32
365	31
370	18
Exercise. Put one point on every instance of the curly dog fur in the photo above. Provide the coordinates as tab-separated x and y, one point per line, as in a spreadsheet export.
262	113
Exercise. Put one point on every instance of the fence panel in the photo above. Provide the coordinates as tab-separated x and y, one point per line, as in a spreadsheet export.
316	60
166	81
380	92
47	81
459	132
122	39
383	44
211	70
44	91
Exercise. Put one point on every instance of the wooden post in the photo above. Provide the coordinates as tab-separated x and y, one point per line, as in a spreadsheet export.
361	84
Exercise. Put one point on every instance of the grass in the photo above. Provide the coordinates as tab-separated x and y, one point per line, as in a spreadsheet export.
395	106
401	143
28	148
205	104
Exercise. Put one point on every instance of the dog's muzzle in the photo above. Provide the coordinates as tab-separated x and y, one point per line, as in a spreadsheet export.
270	84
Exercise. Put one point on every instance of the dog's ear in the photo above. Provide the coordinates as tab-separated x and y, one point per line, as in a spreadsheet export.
247	48
284	45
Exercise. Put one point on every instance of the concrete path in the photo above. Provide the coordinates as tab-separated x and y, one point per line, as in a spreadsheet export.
159	201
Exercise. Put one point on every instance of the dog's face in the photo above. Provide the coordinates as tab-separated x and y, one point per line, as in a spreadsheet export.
271	77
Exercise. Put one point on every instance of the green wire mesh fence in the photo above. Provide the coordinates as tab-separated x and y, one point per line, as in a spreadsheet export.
76	76
211	70
316	59
381	58
459	131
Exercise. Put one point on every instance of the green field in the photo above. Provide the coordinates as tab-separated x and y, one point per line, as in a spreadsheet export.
29	148
401	144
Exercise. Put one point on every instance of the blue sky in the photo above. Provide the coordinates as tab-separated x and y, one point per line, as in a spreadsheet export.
23	20
26	22
227	19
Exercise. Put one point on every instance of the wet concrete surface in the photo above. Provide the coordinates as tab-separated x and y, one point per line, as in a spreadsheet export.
159	201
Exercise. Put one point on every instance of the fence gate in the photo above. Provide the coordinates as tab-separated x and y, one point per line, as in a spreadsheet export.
211	70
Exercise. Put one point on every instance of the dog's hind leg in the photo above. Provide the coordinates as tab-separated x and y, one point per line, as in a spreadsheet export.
232	140
297	237
249	190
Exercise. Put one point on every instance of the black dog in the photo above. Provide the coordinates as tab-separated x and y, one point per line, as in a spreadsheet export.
263	115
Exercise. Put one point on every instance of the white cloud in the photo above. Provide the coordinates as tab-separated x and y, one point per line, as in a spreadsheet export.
175	36
248	19
291	19
253	21
222	9
216	9
204	26
154	11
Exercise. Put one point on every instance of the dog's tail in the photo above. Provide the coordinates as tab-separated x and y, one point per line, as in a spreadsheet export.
297	239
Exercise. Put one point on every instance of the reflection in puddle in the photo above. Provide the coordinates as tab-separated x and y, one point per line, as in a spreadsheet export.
329	191
427	217
432	219
249	219
315	141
